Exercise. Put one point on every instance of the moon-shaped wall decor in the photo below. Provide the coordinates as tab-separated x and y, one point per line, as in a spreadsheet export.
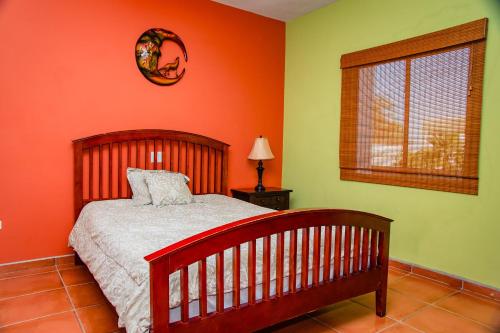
147	54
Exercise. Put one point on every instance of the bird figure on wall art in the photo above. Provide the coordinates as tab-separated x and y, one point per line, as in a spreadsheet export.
165	70
147	54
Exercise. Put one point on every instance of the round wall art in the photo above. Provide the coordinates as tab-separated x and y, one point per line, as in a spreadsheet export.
148	54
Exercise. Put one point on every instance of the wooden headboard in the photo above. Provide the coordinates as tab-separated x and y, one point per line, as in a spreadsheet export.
101	161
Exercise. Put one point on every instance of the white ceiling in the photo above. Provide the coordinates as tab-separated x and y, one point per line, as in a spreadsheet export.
283	10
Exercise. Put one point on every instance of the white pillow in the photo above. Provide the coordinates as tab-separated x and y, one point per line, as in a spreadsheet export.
168	189
137	181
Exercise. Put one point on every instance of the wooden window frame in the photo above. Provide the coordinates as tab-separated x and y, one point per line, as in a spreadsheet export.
472	35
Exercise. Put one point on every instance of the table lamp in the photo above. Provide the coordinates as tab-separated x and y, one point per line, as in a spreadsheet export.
260	151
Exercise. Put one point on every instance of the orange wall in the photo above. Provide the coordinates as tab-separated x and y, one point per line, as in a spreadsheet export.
68	71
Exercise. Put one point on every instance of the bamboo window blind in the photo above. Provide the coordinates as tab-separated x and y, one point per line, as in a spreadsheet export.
411	111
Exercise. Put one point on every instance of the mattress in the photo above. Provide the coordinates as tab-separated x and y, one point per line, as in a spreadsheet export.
113	236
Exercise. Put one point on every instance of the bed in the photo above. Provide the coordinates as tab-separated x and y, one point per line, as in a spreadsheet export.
217	264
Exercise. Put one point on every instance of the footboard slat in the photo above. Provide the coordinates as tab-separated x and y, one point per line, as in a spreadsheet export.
251	271
202	277
380	248
356	249
327	253
219	272
316	255
266	268
338	253
184	294
292	285
280	255
304	266
373	249
347	251
236	276
370	242
364	250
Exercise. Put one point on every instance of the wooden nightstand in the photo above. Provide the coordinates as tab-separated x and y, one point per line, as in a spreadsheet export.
274	197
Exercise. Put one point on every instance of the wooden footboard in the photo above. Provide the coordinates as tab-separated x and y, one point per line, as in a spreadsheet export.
334	277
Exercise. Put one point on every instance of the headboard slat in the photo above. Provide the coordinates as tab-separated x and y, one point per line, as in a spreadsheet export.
203	178
120	148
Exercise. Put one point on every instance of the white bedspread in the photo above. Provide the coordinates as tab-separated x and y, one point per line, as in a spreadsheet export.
112	237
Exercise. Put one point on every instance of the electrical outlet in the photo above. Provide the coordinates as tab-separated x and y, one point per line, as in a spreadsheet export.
158	157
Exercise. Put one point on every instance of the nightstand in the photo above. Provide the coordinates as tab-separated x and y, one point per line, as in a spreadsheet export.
274	197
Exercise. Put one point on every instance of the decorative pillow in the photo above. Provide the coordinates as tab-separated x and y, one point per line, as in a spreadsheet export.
168	189
140	191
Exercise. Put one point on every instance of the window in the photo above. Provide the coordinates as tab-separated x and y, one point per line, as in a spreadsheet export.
411	111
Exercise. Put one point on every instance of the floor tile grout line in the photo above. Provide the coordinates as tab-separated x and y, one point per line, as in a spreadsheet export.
12	269
322	323
397	279
89	306
455	290
414	313
388	327
402	294
398	322
82	328
24	275
62	269
29	294
76	284
35	318
434	280
462	316
401	321
451	293
26	268
481	296
461	280
444	297
432	305
20	276
399	271
80	284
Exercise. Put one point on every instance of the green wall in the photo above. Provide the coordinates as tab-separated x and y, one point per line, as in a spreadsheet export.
455	233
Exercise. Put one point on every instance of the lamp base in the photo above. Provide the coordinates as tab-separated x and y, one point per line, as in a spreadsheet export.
260	171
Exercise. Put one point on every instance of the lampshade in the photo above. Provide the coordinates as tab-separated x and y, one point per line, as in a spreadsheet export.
261	150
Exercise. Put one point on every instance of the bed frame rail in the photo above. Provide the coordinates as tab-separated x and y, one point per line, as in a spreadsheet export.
334	277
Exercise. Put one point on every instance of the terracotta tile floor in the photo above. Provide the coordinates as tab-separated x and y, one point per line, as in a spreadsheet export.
65	298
